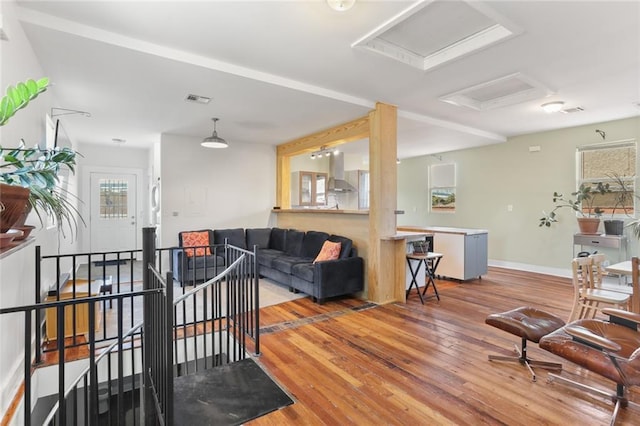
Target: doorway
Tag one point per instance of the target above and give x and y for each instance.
(113, 211)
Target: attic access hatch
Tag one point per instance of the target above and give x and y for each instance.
(433, 32)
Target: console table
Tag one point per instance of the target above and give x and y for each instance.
(618, 242)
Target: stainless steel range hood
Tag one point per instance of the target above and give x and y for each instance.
(337, 183)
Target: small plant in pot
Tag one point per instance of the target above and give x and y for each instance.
(622, 199)
(583, 204)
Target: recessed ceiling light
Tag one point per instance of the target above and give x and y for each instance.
(341, 5)
(551, 107)
(198, 99)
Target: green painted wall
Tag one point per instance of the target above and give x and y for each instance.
(491, 178)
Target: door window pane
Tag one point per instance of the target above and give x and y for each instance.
(113, 199)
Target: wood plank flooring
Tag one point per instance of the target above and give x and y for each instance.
(413, 364)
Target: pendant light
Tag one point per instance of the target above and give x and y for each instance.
(214, 141)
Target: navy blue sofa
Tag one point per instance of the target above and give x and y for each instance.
(286, 257)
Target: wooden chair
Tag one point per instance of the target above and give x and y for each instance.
(635, 282)
(587, 296)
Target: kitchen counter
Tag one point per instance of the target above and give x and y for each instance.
(406, 235)
(443, 230)
(327, 211)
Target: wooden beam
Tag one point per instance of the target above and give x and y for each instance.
(283, 182)
(346, 132)
(385, 269)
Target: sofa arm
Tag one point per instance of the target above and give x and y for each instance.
(180, 264)
(338, 277)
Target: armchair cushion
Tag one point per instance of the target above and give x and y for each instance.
(195, 239)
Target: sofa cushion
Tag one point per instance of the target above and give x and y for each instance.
(277, 240)
(235, 237)
(347, 245)
(266, 256)
(285, 263)
(303, 271)
(195, 239)
(200, 261)
(312, 243)
(330, 251)
(293, 244)
(258, 237)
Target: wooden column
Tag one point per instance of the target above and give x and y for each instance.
(385, 269)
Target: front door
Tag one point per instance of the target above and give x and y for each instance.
(113, 212)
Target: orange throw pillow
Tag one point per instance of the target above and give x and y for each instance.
(330, 251)
(196, 239)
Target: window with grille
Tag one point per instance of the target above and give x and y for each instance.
(113, 198)
(614, 164)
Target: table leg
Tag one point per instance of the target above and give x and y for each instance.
(431, 268)
(414, 279)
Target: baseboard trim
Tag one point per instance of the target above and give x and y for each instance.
(559, 272)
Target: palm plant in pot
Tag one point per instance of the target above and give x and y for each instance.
(29, 177)
(583, 204)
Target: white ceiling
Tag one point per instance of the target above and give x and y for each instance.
(278, 70)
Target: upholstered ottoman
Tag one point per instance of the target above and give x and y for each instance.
(529, 324)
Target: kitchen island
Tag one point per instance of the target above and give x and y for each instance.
(465, 250)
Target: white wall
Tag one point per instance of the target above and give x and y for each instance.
(214, 188)
(113, 159)
(493, 177)
(19, 63)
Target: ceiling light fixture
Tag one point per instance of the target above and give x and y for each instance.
(551, 107)
(324, 151)
(341, 5)
(214, 141)
(64, 111)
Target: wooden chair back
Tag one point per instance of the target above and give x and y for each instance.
(582, 278)
(635, 282)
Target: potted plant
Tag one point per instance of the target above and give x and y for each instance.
(38, 170)
(29, 177)
(589, 216)
(622, 196)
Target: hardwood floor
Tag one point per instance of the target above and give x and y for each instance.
(408, 364)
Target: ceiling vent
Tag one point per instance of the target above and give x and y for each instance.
(431, 33)
(572, 110)
(198, 99)
(508, 90)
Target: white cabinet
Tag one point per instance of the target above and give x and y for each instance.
(309, 188)
(464, 253)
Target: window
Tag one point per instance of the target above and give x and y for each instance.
(442, 187)
(113, 198)
(614, 164)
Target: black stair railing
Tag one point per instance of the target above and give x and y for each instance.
(218, 320)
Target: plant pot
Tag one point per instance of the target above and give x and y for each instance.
(613, 227)
(13, 200)
(26, 230)
(588, 225)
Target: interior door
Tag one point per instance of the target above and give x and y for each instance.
(113, 212)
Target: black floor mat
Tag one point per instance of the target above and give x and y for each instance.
(228, 395)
